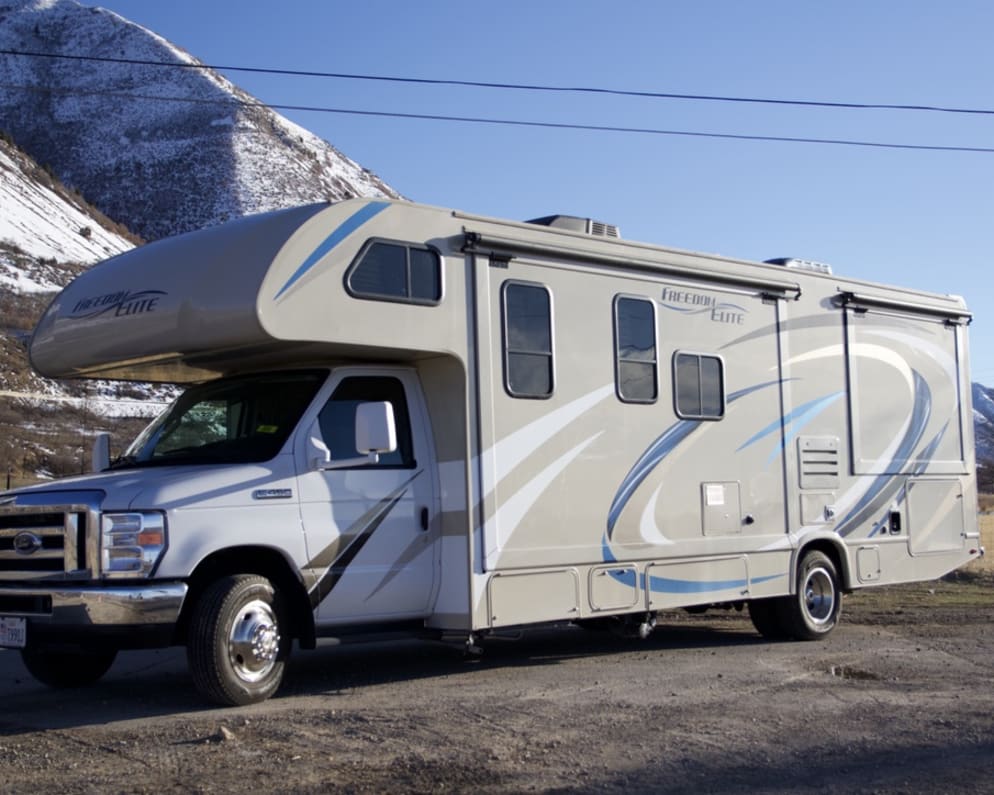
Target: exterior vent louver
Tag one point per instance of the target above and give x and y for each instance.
(818, 459)
(574, 223)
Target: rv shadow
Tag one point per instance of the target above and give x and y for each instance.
(343, 668)
(148, 684)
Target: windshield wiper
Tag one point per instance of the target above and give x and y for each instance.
(125, 461)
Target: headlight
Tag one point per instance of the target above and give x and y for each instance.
(131, 543)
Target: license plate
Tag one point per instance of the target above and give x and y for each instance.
(13, 632)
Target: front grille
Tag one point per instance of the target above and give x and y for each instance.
(44, 543)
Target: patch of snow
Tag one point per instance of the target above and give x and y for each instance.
(44, 224)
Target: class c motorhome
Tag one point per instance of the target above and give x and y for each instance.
(401, 418)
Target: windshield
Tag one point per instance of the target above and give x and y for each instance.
(236, 420)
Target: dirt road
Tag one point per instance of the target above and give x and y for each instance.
(899, 699)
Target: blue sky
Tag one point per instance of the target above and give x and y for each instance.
(912, 218)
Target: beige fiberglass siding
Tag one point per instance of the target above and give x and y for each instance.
(585, 440)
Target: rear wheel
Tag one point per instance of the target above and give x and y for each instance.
(236, 647)
(813, 612)
(64, 669)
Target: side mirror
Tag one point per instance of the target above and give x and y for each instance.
(100, 452)
(375, 429)
(375, 433)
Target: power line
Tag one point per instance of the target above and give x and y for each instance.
(511, 122)
(508, 86)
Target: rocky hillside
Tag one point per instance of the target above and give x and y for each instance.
(48, 234)
(158, 166)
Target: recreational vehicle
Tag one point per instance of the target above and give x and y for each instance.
(401, 418)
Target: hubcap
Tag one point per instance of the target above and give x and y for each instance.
(819, 596)
(254, 641)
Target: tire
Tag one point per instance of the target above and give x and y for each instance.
(236, 647)
(65, 669)
(766, 617)
(813, 612)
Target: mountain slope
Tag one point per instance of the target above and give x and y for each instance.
(44, 221)
(157, 165)
(48, 234)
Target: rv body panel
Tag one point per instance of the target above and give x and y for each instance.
(587, 428)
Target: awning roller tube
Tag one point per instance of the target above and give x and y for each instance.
(485, 243)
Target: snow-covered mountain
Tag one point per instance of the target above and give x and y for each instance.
(983, 430)
(157, 165)
(42, 225)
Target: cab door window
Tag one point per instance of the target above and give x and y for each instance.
(337, 419)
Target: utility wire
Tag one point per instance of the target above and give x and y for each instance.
(509, 122)
(509, 86)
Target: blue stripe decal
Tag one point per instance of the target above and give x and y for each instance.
(657, 451)
(668, 585)
(797, 419)
(346, 228)
(648, 461)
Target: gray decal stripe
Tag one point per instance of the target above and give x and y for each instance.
(791, 324)
(362, 529)
(885, 486)
(902, 493)
(410, 553)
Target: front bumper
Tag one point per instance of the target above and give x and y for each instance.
(136, 614)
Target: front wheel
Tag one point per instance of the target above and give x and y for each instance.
(813, 612)
(65, 669)
(236, 648)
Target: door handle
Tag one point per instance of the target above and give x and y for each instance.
(424, 518)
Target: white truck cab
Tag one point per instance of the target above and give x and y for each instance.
(260, 473)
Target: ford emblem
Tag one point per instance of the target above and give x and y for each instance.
(26, 543)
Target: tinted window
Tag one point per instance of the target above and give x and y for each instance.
(396, 272)
(337, 418)
(635, 350)
(527, 340)
(232, 420)
(426, 275)
(699, 386)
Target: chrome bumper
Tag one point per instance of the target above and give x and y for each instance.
(141, 605)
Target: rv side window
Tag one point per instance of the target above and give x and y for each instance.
(396, 272)
(699, 384)
(337, 419)
(527, 332)
(635, 350)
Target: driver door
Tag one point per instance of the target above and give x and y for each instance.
(368, 527)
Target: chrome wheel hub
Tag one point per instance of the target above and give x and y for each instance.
(254, 642)
(819, 596)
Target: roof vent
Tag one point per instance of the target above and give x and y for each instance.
(574, 223)
(801, 264)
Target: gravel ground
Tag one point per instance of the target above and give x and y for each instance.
(898, 699)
